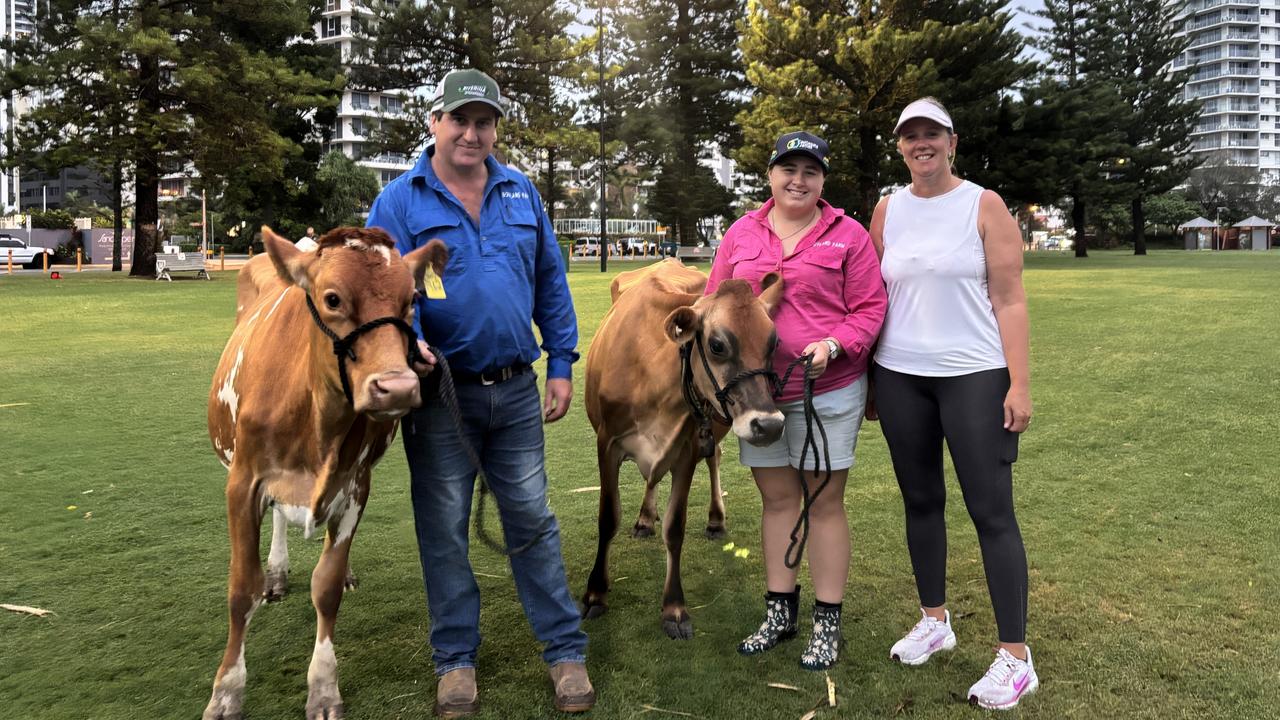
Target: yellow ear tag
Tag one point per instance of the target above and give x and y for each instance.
(432, 283)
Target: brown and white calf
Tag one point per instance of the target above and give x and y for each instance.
(635, 402)
(292, 436)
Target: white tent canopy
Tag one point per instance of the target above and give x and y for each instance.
(1198, 224)
(1253, 221)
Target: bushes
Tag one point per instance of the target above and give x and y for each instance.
(52, 220)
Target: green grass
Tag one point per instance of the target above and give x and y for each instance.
(1147, 490)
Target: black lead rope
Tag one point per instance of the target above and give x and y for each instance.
(345, 347)
(800, 533)
(449, 398)
(704, 411)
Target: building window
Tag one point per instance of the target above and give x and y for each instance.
(360, 101)
(330, 27)
(359, 127)
(389, 175)
(392, 105)
(332, 5)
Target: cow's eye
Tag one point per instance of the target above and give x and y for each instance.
(332, 301)
(717, 346)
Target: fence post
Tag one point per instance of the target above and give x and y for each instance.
(10, 261)
(44, 261)
(222, 259)
(79, 258)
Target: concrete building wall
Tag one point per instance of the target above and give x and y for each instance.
(360, 112)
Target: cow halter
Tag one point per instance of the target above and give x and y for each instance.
(703, 411)
(345, 347)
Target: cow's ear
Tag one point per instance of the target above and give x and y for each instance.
(683, 324)
(291, 263)
(771, 291)
(434, 254)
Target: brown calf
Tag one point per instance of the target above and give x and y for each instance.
(300, 436)
(635, 402)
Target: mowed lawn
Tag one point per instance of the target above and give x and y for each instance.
(1147, 492)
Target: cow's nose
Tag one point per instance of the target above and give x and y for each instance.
(766, 429)
(394, 390)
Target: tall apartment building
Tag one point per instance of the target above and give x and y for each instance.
(17, 19)
(360, 112)
(1234, 58)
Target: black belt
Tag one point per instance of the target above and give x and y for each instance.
(491, 377)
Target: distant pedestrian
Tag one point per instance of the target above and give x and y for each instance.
(952, 365)
(308, 242)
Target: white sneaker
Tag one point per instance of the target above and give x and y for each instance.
(1006, 681)
(926, 638)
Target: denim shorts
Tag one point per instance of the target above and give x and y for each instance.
(841, 413)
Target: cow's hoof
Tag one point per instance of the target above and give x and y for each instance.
(350, 582)
(223, 706)
(592, 609)
(681, 629)
(276, 585)
(642, 531)
(325, 712)
(716, 532)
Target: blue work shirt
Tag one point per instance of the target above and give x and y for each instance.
(502, 273)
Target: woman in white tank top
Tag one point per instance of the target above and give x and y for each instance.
(952, 365)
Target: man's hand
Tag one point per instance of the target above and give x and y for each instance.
(424, 368)
(556, 402)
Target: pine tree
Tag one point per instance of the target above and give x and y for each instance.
(1090, 110)
(174, 82)
(680, 90)
(523, 44)
(846, 69)
(76, 63)
(1133, 44)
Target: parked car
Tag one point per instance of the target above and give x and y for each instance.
(586, 247)
(633, 246)
(28, 255)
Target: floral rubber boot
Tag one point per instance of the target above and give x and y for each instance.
(781, 610)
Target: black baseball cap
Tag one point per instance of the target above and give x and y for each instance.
(801, 143)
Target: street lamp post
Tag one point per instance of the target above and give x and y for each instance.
(1221, 241)
(604, 233)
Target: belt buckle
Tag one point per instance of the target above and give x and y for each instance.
(498, 376)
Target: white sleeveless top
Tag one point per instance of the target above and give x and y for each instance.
(940, 322)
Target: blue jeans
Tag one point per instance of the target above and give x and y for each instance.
(503, 422)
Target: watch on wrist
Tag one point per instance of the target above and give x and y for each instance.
(833, 348)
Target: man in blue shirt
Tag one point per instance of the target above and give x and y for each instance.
(504, 273)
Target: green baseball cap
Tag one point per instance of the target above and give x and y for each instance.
(459, 87)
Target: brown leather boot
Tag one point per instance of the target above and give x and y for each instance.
(456, 694)
(574, 693)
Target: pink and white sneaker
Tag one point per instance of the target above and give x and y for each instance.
(926, 638)
(1006, 682)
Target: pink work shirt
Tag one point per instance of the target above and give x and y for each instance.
(831, 288)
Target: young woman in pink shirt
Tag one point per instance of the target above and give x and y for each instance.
(832, 307)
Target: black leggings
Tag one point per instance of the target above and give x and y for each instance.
(916, 414)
